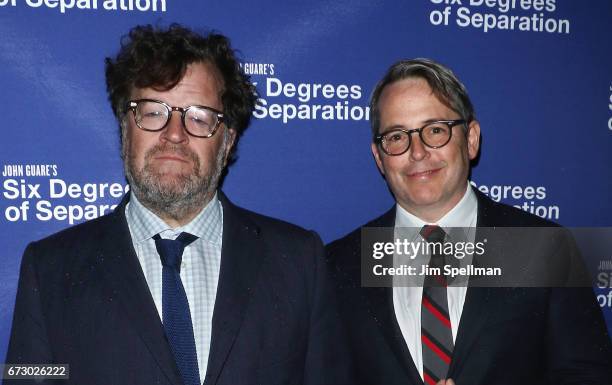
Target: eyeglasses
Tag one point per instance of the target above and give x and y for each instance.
(154, 115)
(434, 135)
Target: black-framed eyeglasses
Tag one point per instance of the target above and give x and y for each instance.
(433, 135)
(154, 115)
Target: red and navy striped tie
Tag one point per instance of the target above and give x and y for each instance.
(436, 332)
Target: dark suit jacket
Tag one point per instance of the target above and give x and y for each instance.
(513, 336)
(83, 300)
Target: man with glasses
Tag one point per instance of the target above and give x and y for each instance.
(178, 285)
(438, 331)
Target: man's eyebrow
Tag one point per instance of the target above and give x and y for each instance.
(423, 123)
(437, 120)
(394, 127)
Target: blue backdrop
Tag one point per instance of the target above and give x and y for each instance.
(538, 72)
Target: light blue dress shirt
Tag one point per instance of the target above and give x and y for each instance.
(200, 264)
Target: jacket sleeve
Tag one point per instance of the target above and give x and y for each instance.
(29, 342)
(579, 346)
(327, 358)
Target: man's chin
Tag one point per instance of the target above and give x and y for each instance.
(172, 181)
(170, 167)
(171, 201)
(170, 177)
(422, 199)
(165, 187)
(174, 191)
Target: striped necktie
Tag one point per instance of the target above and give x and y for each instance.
(436, 333)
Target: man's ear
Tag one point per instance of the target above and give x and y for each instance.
(376, 154)
(231, 139)
(473, 139)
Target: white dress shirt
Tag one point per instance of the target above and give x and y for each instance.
(200, 264)
(407, 300)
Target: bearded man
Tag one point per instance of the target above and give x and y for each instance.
(178, 285)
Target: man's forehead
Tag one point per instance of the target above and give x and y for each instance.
(209, 67)
(198, 76)
(412, 102)
(410, 86)
(410, 94)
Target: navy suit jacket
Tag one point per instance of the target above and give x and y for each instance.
(83, 300)
(506, 336)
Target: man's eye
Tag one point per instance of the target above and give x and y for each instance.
(152, 114)
(436, 130)
(200, 122)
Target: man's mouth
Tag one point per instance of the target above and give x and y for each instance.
(171, 157)
(424, 174)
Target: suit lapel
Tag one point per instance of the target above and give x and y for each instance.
(478, 305)
(380, 302)
(241, 256)
(128, 284)
(476, 310)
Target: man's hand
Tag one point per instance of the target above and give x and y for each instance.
(446, 382)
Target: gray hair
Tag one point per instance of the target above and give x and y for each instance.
(441, 79)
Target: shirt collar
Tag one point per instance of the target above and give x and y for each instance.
(144, 224)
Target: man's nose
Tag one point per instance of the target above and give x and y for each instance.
(175, 131)
(418, 150)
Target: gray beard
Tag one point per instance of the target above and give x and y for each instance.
(185, 195)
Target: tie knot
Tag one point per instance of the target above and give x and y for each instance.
(171, 251)
(432, 233)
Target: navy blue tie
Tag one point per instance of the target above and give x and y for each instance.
(175, 307)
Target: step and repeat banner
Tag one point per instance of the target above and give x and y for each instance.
(539, 73)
